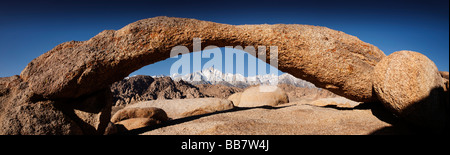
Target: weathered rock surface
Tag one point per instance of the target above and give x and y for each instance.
(92, 112)
(295, 93)
(134, 118)
(41, 118)
(22, 113)
(21, 116)
(338, 102)
(179, 108)
(445, 79)
(410, 85)
(235, 98)
(139, 112)
(77, 68)
(136, 123)
(444, 74)
(262, 96)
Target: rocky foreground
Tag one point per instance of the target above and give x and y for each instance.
(260, 113)
(178, 100)
(297, 118)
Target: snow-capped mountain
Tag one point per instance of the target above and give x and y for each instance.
(214, 76)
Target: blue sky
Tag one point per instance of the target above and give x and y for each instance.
(31, 28)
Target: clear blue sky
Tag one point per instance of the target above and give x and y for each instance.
(31, 28)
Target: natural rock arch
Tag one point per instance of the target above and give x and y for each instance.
(65, 91)
(330, 59)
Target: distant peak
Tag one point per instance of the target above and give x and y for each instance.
(209, 69)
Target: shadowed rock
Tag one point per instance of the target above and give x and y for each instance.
(444, 74)
(410, 85)
(133, 118)
(146, 112)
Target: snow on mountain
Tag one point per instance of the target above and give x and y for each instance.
(214, 76)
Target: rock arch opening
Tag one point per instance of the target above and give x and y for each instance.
(226, 60)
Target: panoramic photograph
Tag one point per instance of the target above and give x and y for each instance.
(112, 67)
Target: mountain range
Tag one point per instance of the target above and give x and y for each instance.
(215, 76)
